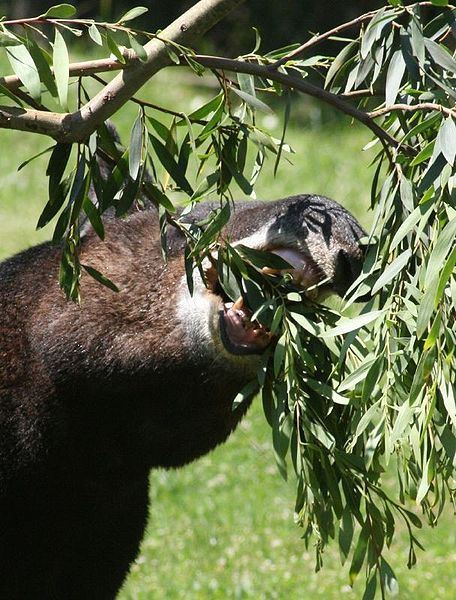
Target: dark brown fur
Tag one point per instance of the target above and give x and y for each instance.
(94, 396)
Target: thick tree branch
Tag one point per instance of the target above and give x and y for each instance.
(78, 126)
(51, 123)
(77, 69)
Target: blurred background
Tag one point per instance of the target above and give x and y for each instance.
(280, 23)
(222, 527)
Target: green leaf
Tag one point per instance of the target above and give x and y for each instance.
(394, 76)
(94, 217)
(447, 272)
(61, 64)
(279, 354)
(410, 223)
(133, 13)
(100, 277)
(434, 332)
(137, 47)
(245, 394)
(346, 530)
(389, 578)
(356, 376)
(170, 165)
(59, 193)
(371, 586)
(158, 196)
(443, 244)
(368, 417)
(57, 163)
(252, 101)
(42, 62)
(392, 270)
(95, 34)
(403, 419)
(358, 555)
(347, 325)
(23, 65)
(440, 55)
(112, 45)
(424, 154)
(247, 83)
(29, 160)
(136, 147)
(446, 140)
(210, 107)
(326, 391)
(59, 11)
(8, 39)
(417, 42)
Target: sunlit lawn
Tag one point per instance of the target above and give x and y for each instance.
(223, 526)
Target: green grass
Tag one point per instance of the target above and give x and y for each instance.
(223, 526)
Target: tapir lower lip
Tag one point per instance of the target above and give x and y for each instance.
(231, 345)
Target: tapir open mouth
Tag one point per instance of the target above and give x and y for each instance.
(239, 333)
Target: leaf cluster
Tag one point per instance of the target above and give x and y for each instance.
(348, 398)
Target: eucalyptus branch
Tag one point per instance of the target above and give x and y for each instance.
(29, 120)
(293, 82)
(77, 126)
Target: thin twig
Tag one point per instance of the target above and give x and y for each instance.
(423, 106)
(332, 32)
(144, 103)
(320, 38)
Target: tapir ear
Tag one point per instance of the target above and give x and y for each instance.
(347, 270)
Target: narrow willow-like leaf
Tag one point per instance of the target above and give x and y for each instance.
(170, 164)
(403, 419)
(440, 55)
(446, 140)
(136, 147)
(359, 555)
(61, 63)
(137, 47)
(338, 62)
(94, 217)
(347, 325)
(394, 77)
(392, 270)
(23, 65)
(443, 244)
(356, 376)
(29, 160)
(100, 277)
(252, 101)
(95, 34)
(59, 11)
(8, 39)
(114, 48)
(245, 394)
(133, 13)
